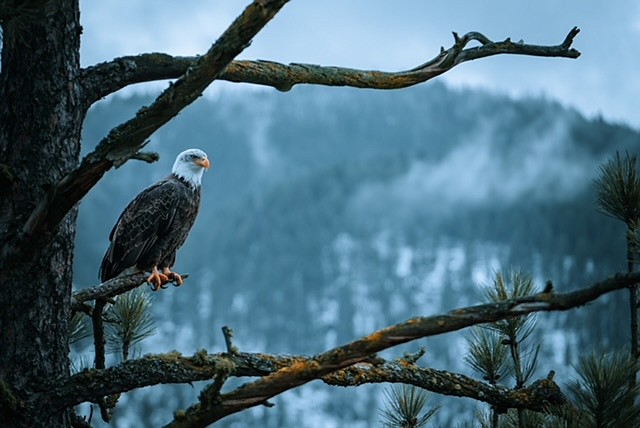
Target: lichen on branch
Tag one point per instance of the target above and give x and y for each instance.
(108, 77)
(279, 374)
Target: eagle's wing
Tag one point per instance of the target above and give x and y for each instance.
(143, 221)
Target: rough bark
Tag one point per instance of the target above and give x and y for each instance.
(175, 368)
(213, 408)
(40, 123)
(335, 366)
(105, 78)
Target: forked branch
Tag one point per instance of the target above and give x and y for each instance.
(284, 373)
(105, 78)
(174, 368)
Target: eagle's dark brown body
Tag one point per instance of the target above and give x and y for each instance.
(152, 228)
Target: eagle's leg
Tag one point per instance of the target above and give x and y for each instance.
(172, 276)
(157, 279)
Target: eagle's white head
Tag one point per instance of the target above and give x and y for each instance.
(190, 166)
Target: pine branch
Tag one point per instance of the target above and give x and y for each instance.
(108, 77)
(404, 407)
(618, 188)
(249, 395)
(486, 354)
(602, 390)
(78, 328)
(284, 373)
(126, 140)
(130, 321)
(618, 195)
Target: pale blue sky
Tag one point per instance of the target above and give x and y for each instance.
(395, 35)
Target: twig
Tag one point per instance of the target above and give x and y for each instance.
(413, 358)
(228, 339)
(149, 157)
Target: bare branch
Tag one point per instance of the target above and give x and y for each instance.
(105, 78)
(110, 288)
(91, 385)
(173, 368)
(282, 373)
(228, 340)
(79, 422)
(208, 411)
(537, 397)
(287, 373)
(125, 141)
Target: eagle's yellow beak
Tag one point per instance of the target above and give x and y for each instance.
(203, 162)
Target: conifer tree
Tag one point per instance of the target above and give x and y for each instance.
(618, 195)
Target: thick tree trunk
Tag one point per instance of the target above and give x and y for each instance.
(40, 122)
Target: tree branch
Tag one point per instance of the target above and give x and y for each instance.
(537, 397)
(283, 373)
(108, 77)
(108, 289)
(208, 411)
(126, 140)
(174, 368)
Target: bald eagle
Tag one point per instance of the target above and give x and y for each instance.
(156, 223)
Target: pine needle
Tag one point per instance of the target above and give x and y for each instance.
(404, 406)
(515, 330)
(129, 321)
(80, 364)
(602, 390)
(517, 284)
(487, 355)
(78, 328)
(529, 362)
(618, 188)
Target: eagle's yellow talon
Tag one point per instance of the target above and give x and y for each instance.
(157, 279)
(173, 277)
(177, 279)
